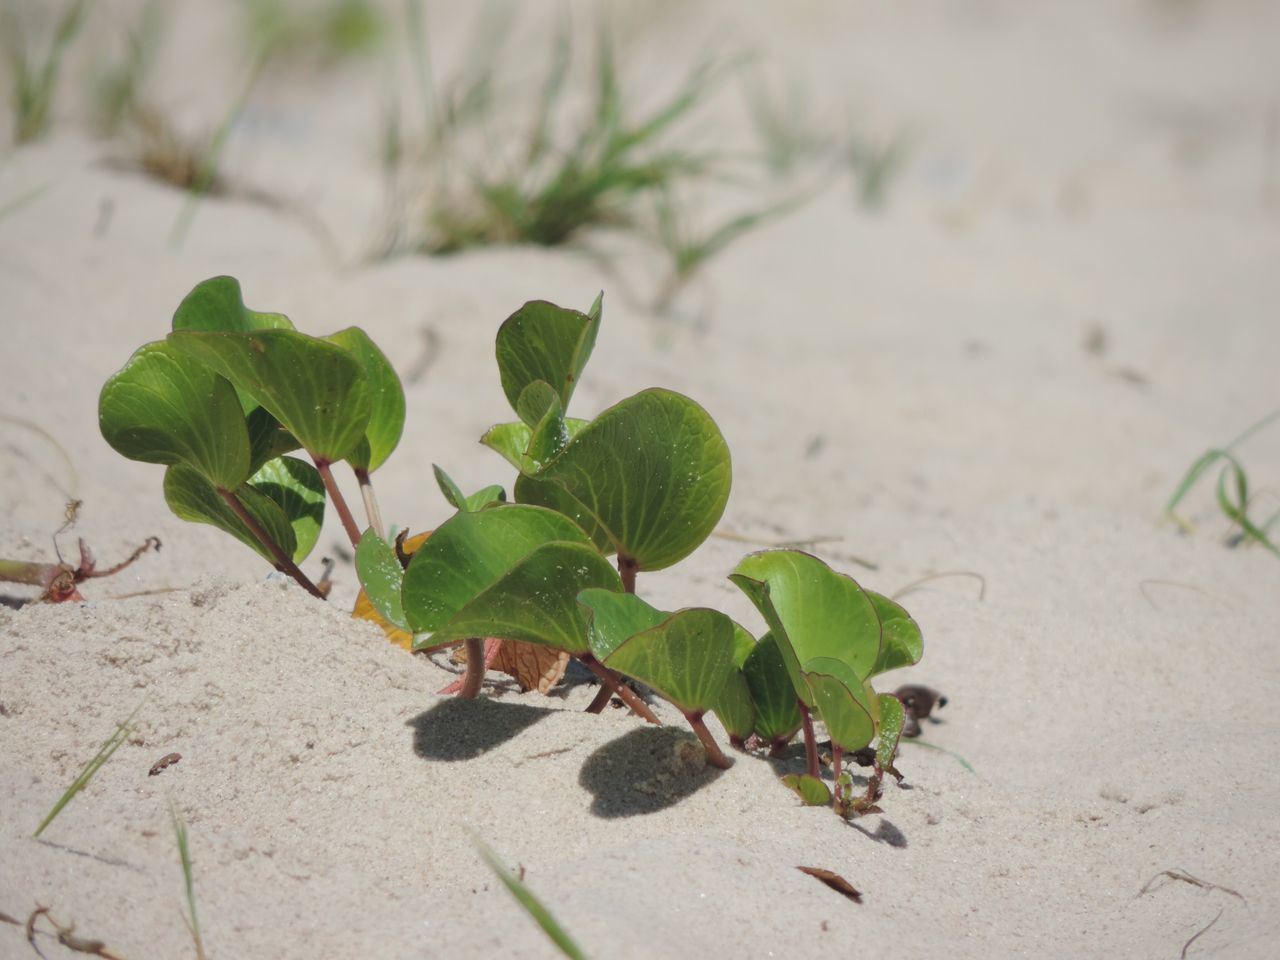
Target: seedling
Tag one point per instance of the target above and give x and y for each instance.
(60, 582)
(1232, 489)
(595, 503)
(184, 857)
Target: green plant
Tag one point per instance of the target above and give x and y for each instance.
(35, 81)
(531, 904)
(109, 747)
(1232, 489)
(117, 88)
(594, 504)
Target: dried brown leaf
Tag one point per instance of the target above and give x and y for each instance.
(833, 880)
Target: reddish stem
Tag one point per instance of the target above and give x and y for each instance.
(810, 741)
(715, 756)
(283, 562)
(344, 512)
(627, 567)
(489, 653)
(603, 696)
(836, 761)
(475, 669)
(610, 680)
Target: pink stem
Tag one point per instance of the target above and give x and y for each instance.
(344, 512)
(282, 559)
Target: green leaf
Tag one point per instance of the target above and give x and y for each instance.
(892, 718)
(777, 710)
(840, 699)
(532, 905)
(550, 432)
(470, 552)
(686, 658)
(267, 439)
(315, 389)
(298, 491)
(534, 601)
(541, 341)
(386, 397)
(812, 612)
(653, 471)
(544, 493)
(164, 407)
(193, 498)
(382, 577)
(615, 618)
(810, 789)
(901, 643)
(733, 706)
(459, 501)
(217, 304)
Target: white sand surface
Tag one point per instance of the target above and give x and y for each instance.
(913, 384)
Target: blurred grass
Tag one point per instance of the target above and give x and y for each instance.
(184, 856)
(34, 80)
(531, 904)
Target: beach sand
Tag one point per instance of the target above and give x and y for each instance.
(1069, 294)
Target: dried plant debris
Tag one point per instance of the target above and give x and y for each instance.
(833, 880)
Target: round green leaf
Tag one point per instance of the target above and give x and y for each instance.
(470, 552)
(734, 707)
(901, 643)
(541, 341)
(615, 618)
(840, 699)
(808, 788)
(297, 489)
(386, 395)
(315, 389)
(534, 601)
(544, 493)
(382, 577)
(653, 471)
(772, 693)
(193, 498)
(217, 304)
(164, 407)
(812, 611)
(686, 658)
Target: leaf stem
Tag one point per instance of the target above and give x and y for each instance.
(837, 765)
(344, 512)
(810, 741)
(474, 676)
(627, 568)
(281, 558)
(610, 680)
(715, 756)
(370, 499)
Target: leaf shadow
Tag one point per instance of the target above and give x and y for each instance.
(647, 770)
(457, 729)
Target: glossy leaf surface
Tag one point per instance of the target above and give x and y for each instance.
(615, 618)
(840, 699)
(777, 713)
(164, 407)
(653, 471)
(193, 498)
(314, 388)
(534, 601)
(470, 552)
(733, 706)
(386, 399)
(892, 718)
(381, 577)
(812, 611)
(812, 790)
(218, 304)
(901, 643)
(297, 489)
(542, 341)
(460, 501)
(686, 658)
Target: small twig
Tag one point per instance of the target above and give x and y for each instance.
(67, 937)
(152, 543)
(1180, 874)
(982, 582)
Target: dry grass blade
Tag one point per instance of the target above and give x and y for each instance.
(1182, 875)
(112, 744)
(66, 937)
(1198, 934)
(982, 582)
(531, 904)
(916, 741)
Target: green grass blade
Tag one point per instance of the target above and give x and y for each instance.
(112, 744)
(184, 855)
(1237, 511)
(1208, 459)
(933, 746)
(531, 904)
